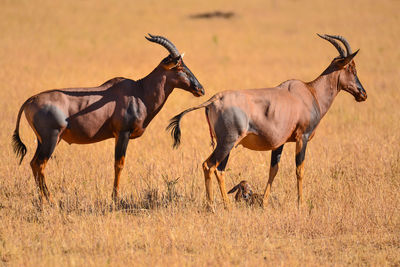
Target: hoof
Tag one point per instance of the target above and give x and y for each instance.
(210, 208)
(228, 207)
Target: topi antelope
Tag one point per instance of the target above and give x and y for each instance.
(243, 189)
(120, 108)
(245, 192)
(266, 119)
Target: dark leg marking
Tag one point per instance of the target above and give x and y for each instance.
(273, 170)
(218, 159)
(222, 165)
(228, 129)
(33, 166)
(301, 146)
(120, 151)
(42, 155)
(276, 155)
(300, 155)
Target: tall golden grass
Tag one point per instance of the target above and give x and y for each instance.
(352, 179)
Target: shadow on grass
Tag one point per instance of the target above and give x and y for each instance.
(145, 201)
(149, 199)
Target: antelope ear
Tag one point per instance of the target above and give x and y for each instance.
(236, 187)
(344, 61)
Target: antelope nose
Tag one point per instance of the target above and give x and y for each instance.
(362, 94)
(198, 91)
(361, 90)
(365, 95)
(201, 90)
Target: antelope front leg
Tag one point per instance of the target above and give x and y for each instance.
(301, 146)
(121, 144)
(273, 170)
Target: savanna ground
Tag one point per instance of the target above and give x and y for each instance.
(351, 213)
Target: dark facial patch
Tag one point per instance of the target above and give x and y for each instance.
(191, 76)
(360, 88)
(194, 83)
(351, 84)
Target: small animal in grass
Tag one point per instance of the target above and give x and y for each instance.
(244, 192)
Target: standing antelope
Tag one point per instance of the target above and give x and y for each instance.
(266, 119)
(119, 108)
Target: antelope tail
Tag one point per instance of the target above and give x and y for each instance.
(174, 124)
(19, 147)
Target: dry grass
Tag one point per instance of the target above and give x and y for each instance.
(351, 215)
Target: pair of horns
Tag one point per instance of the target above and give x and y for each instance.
(164, 42)
(332, 39)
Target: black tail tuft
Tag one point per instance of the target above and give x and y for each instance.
(175, 121)
(18, 147)
(175, 129)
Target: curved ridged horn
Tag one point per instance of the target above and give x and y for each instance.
(164, 42)
(332, 41)
(344, 41)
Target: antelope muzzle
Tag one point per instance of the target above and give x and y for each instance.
(196, 88)
(362, 94)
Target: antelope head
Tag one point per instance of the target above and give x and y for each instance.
(176, 70)
(344, 63)
(244, 191)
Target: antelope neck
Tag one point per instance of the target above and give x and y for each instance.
(156, 89)
(326, 88)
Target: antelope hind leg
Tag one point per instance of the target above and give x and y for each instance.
(40, 159)
(220, 173)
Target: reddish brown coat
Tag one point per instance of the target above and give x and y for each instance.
(120, 108)
(267, 118)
